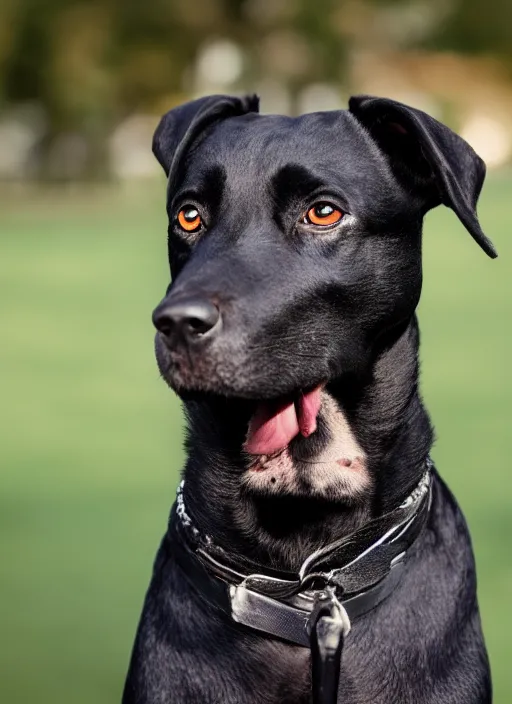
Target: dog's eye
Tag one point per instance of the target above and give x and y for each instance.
(189, 219)
(323, 214)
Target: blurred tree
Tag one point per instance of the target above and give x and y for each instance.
(90, 63)
(477, 26)
(59, 60)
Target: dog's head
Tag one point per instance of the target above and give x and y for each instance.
(295, 246)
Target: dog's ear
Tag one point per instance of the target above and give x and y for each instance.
(181, 126)
(430, 160)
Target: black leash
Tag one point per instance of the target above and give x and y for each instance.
(327, 636)
(315, 607)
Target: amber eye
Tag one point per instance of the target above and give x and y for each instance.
(189, 219)
(323, 214)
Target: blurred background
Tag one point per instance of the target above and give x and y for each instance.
(90, 437)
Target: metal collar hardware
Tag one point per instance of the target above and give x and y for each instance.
(316, 606)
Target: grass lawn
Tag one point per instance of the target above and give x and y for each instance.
(91, 438)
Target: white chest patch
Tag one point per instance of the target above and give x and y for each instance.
(338, 471)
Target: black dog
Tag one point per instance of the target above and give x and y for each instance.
(289, 332)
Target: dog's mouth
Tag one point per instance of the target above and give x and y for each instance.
(275, 423)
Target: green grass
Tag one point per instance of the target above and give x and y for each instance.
(91, 438)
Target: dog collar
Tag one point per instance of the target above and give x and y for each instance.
(355, 573)
(314, 607)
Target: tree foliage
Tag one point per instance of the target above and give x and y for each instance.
(89, 63)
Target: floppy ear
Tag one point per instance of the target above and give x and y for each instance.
(179, 127)
(430, 160)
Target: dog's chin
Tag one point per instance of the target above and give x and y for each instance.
(329, 464)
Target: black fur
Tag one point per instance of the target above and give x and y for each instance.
(301, 307)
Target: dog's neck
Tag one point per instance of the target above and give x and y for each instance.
(386, 416)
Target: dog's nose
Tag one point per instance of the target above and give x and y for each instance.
(188, 318)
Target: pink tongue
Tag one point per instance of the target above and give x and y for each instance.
(275, 424)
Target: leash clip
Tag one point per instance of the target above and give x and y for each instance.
(327, 605)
